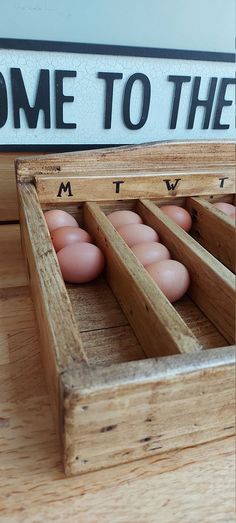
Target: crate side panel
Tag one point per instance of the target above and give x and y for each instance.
(129, 422)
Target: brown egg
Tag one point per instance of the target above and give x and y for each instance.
(226, 208)
(178, 215)
(66, 235)
(57, 218)
(119, 218)
(137, 233)
(150, 252)
(171, 277)
(80, 262)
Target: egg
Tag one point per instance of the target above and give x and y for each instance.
(80, 262)
(150, 252)
(66, 235)
(226, 208)
(134, 233)
(119, 218)
(171, 277)
(57, 218)
(179, 215)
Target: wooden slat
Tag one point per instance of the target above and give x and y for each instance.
(213, 229)
(124, 412)
(13, 273)
(61, 344)
(158, 327)
(8, 198)
(153, 157)
(87, 187)
(212, 285)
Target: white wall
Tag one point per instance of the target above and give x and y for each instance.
(207, 25)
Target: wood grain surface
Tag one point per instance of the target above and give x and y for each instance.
(187, 486)
(8, 199)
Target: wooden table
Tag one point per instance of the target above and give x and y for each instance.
(192, 485)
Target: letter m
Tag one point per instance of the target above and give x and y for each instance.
(63, 189)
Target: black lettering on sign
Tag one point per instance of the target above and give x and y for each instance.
(178, 82)
(117, 184)
(64, 188)
(109, 79)
(222, 102)
(20, 99)
(196, 102)
(171, 186)
(222, 181)
(3, 101)
(61, 99)
(144, 104)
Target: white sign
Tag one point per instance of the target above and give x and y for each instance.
(68, 98)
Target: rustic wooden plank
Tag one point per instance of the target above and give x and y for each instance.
(153, 157)
(158, 327)
(205, 331)
(61, 343)
(148, 404)
(96, 308)
(8, 200)
(214, 230)
(212, 285)
(79, 188)
(12, 266)
(112, 345)
(106, 334)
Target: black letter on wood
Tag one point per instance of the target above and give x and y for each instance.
(65, 188)
(171, 186)
(117, 184)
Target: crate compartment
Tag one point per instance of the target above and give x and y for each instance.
(212, 229)
(114, 398)
(105, 331)
(206, 272)
(206, 221)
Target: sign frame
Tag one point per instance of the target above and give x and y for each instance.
(100, 49)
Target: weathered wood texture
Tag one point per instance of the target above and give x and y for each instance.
(159, 329)
(97, 187)
(61, 341)
(114, 417)
(212, 285)
(214, 230)
(8, 199)
(32, 483)
(151, 158)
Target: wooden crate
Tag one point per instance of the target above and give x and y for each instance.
(129, 374)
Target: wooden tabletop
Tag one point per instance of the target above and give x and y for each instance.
(192, 485)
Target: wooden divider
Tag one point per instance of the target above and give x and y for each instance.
(61, 344)
(212, 284)
(213, 230)
(158, 327)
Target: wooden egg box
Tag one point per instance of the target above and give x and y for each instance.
(129, 374)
